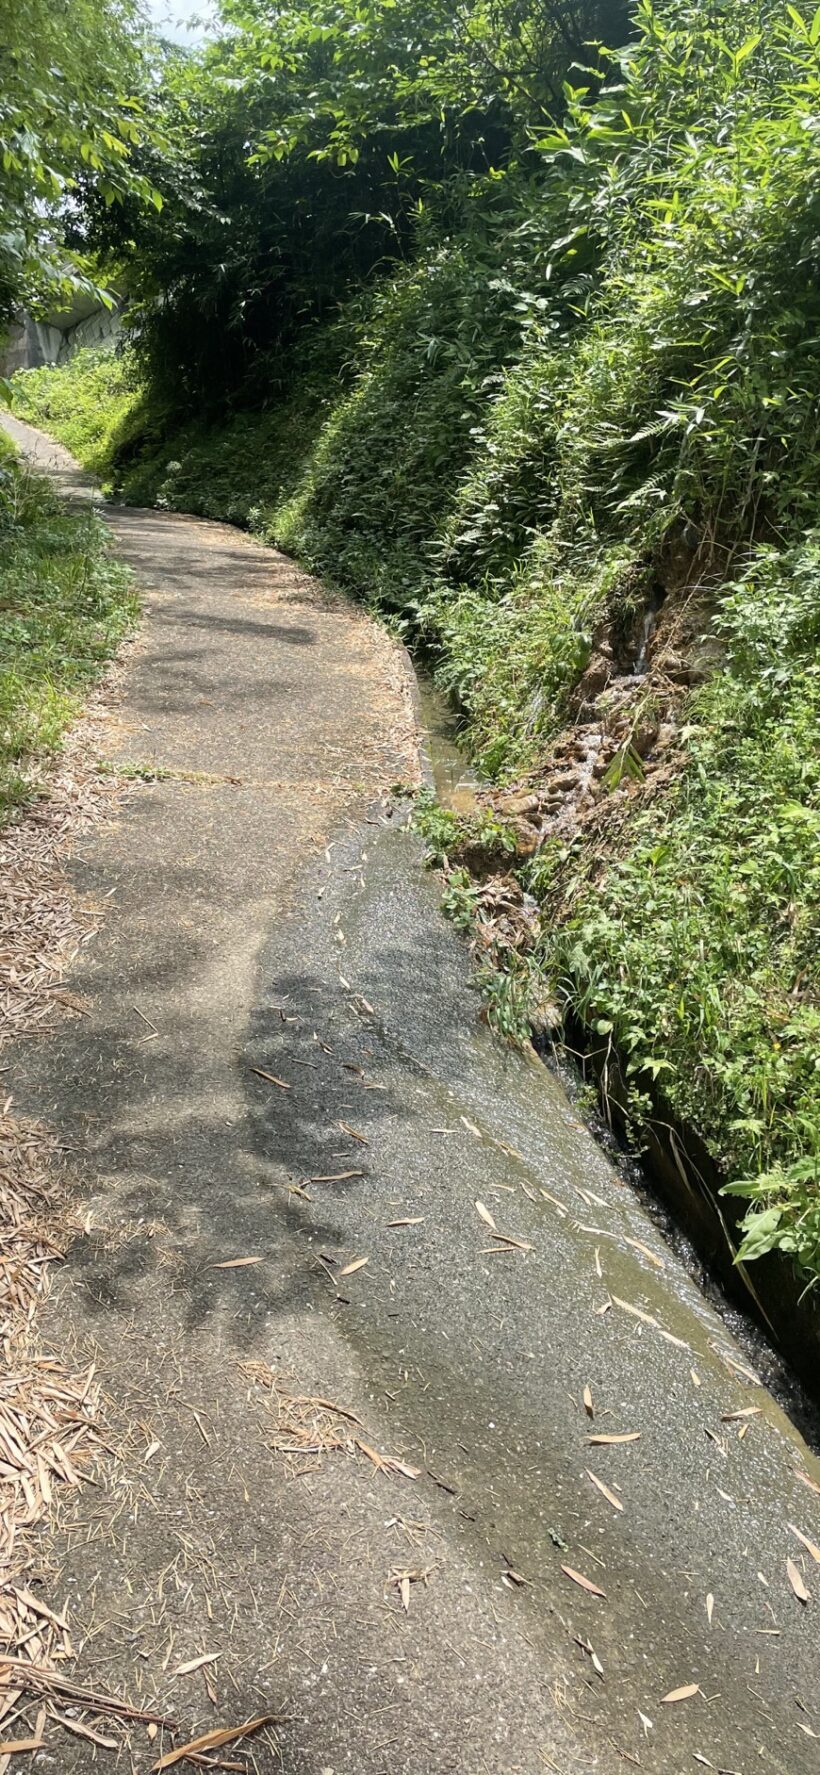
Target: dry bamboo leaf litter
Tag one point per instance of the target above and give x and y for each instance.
(602, 1436)
(213, 1740)
(307, 1427)
(810, 1546)
(604, 1490)
(583, 1583)
(50, 1418)
(796, 1581)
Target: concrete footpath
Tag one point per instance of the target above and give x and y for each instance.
(467, 1568)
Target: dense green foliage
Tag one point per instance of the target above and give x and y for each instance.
(73, 107)
(64, 604)
(493, 352)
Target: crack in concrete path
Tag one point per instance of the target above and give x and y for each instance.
(280, 928)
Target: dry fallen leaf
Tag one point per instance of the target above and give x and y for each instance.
(514, 1578)
(636, 1312)
(235, 1263)
(733, 1417)
(605, 1491)
(652, 1255)
(796, 1582)
(212, 1740)
(627, 1436)
(810, 1546)
(684, 1694)
(81, 1730)
(649, 1319)
(562, 1209)
(710, 1607)
(585, 1583)
(195, 1664)
(509, 1240)
(271, 1078)
(409, 1220)
(811, 1483)
(486, 1216)
(335, 1176)
(357, 1264)
(589, 1408)
(354, 1133)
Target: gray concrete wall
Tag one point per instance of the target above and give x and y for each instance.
(32, 343)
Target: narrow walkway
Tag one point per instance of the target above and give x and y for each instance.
(282, 1061)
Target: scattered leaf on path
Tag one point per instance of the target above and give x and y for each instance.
(357, 1264)
(589, 1408)
(626, 1436)
(710, 1607)
(561, 1206)
(81, 1730)
(605, 1491)
(811, 1483)
(354, 1133)
(235, 1263)
(585, 1583)
(335, 1176)
(213, 1740)
(810, 1546)
(636, 1312)
(733, 1417)
(514, 1577)
(652, 1255)
(796, 1582)
(409, 1220)
(486, 1216)
(271, 1078)
(684, 1694)
(740, 1368)
(195, 1664)
(508, 1239)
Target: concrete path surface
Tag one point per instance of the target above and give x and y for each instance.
(282, 1059)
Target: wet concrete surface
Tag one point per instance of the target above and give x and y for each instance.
(283, 922)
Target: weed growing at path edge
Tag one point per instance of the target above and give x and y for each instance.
(64, 604)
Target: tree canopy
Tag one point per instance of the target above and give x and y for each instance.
(72, 103)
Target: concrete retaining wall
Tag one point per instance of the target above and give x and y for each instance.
(32, 343)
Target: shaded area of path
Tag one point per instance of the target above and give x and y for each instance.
(266, 911)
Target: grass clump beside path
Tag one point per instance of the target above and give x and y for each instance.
(84, 404)
(64, 605)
